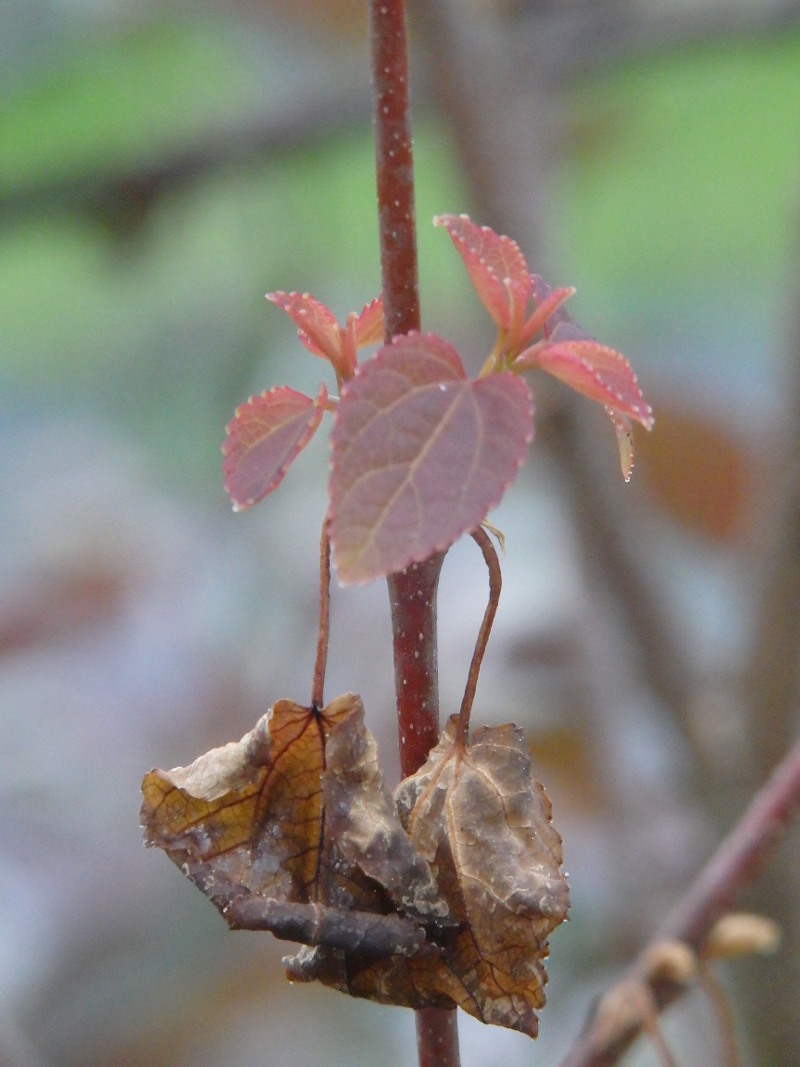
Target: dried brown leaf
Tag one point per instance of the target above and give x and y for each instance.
(483, 824)
(291, 829)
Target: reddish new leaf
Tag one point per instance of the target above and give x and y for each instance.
(317, 327)
(264, 437)
(420, 455)
(497, 269)
(548, 311)
(322, 335)
(368, 326)
(600, 373)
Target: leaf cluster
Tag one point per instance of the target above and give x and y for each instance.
(420, 451)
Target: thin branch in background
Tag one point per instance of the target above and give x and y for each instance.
(503, 198)
(735, 865)
(772, 689)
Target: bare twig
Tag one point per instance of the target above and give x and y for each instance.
(734, 866)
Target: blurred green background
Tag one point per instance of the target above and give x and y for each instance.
(161, 168)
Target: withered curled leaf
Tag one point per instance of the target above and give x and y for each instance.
(481, 821)
(292, 830)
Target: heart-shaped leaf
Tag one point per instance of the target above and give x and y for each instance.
(420, 455)
(264, 437)
(497, 269)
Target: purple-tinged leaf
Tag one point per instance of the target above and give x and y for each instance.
(543, 317)
(264, 437)
(420, 455)
(559, 324)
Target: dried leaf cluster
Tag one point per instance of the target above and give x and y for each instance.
(444, 895)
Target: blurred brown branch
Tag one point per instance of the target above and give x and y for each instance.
(738, 861)
(120, 196)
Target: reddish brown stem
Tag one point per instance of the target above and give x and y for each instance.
(412, 593)
(318, 681)
(483, 541)
(437, 1038)
(412, 599)
(739, 859)
(394, 165)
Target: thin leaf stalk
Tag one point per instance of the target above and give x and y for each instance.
(412, 593)
(323, 634)
(483, 541)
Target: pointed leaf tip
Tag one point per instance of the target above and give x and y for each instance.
(317, 327)
(368, 325)
(420, 455)
(263, 439)
(496, 267)
(599, 372)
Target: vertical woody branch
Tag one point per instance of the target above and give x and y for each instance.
(412, 593)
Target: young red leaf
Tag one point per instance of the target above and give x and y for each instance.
(317, 327)
(599, 372)
(497, 269)
(368, 326)
(602, 374)
(264, 437)
(322, 335)
(420, 455)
